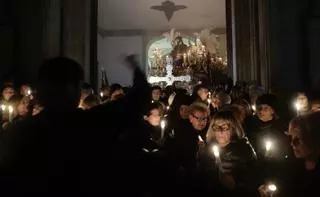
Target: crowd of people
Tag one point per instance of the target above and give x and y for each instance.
(62, 136)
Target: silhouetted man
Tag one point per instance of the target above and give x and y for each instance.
(64, 149)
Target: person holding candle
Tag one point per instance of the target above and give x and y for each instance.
(266, 125)
(104, 94)
(235, 174)
(151, 126)
(303, 173)
(25, 90)
(305, 142)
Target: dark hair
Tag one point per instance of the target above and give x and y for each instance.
(153, 106)
(270, 100)
(53, 79)
(156, 88)
(60, 71)
(115, 87)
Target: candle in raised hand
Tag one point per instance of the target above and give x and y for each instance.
(163, 126)
(10, 110)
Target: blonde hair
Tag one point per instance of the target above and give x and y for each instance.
(227, 116)
(199, 106)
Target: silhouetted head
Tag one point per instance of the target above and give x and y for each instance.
(59, 83)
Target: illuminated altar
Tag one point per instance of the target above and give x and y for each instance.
(183, 61)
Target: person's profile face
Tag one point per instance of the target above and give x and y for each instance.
(298, 145)
(203, 93)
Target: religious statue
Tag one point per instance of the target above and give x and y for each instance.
(179, 51)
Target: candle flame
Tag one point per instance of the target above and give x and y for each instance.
(254, 108)
(215, 150)
(3, 107)
(272, 187)
(163, 124)
(298, 106)
(10, 109)
(268, 145)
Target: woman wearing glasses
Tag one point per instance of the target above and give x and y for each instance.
(228, 162)
(305, 142)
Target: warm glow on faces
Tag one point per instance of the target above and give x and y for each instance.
(265, 113)
(199, 120)
(154, 118)
(222, 131)
(299, 147)
(203, 93)
(7, 93)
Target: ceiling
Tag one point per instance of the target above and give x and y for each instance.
(136, 14)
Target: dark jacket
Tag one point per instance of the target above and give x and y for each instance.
(74, 151)
(259, 132)
(238, 160)
(273, 163)
(300, 182)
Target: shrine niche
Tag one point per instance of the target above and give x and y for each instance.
(185, 60)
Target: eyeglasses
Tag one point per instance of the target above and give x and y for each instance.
(200, 118)
(222, 128)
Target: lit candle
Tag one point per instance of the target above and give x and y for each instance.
(3, 107)
(200, 139)
(209, 100)
(271, 189)
(268, 146)
(101, 94)
(163, 126)
(298, 107)
(29, 92)
(216, 153)
(10, 109)
(254, 108)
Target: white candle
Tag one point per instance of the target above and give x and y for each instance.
(163, 126)
(268, 146)
(298, 107)
(10, 109)
(216, 153)
(200, 139)
(3, 107)
(271, 189)
(29, 92)
(254, 108)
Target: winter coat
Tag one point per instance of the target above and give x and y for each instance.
(237, 160)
